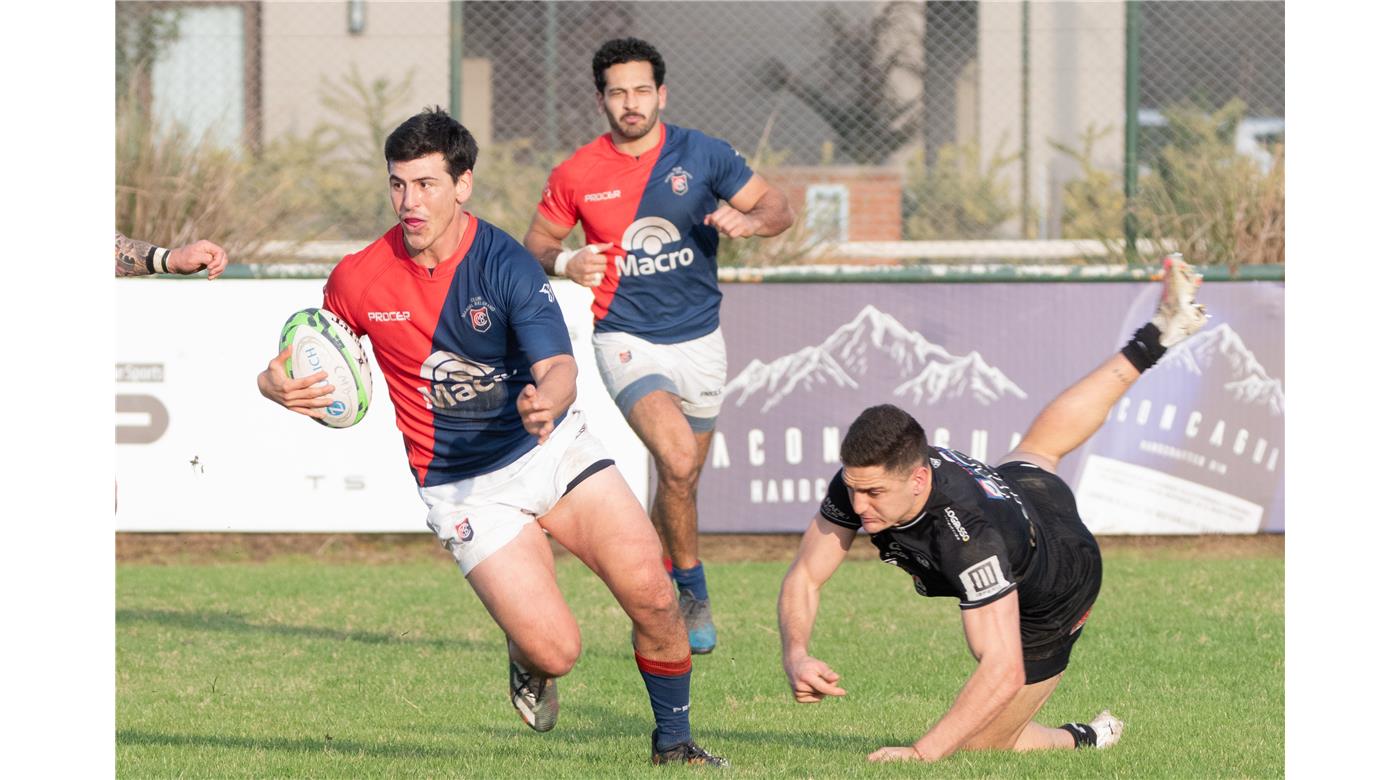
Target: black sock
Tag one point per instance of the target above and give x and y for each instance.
(1145, 348)
(1084, 734)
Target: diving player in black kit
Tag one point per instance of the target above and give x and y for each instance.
(1007, 542)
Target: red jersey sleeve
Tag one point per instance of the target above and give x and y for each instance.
(339, 298)
(557, 200)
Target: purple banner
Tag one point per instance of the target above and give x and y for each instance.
(1196, 446)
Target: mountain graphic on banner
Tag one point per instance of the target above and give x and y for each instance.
(968, 375)
(873, 348)
(1246, 381)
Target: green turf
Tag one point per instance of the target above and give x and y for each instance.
(301, 669)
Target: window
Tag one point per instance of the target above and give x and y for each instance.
(828, 211)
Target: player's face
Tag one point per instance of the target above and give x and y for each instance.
(631, 99)
(428, 202)
(885, 498)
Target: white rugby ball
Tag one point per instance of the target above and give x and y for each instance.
(321, 341)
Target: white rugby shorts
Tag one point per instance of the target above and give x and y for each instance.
(476, 516)
(694, 371)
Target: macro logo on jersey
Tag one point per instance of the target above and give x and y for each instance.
(646, 242)
(459, 387)
(983, 579)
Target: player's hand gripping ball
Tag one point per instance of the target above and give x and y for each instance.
(321, 341)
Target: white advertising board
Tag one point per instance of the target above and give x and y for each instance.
(199, 449)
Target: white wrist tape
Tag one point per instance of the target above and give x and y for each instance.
(561, 260)
(161, 261)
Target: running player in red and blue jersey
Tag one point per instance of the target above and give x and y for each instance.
(467, 332)
(649, 197)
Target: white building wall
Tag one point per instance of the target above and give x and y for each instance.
(1077, 63)
(304, 43)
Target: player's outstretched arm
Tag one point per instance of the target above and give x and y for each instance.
(139, 258)
(135, 258)
(300, 395)
(1079, 411)
(823, 547)
(755, 210)
(994, 636)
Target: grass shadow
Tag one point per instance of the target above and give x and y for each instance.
(308, 744)
(238, 623)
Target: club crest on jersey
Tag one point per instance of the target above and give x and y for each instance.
(680, 181)
(481, 318)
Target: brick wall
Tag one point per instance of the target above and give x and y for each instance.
(873, 196)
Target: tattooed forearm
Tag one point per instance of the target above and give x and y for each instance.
(132, 256)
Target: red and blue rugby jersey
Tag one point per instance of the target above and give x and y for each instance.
(662, 279)
(455, 344)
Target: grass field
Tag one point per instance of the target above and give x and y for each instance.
(297, 667)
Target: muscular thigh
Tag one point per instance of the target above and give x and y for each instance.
(517, 586)
(602, 523)
(661, 426)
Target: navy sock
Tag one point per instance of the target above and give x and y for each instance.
(1084, 735)
(668, 685)
(692, 580)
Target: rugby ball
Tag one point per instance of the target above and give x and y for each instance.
(321, 341)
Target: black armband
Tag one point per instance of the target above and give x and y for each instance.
(1145, 348)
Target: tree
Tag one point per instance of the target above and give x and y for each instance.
(144, 32)
(854, 95)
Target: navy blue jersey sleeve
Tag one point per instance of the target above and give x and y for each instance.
(531, 307)
(836, 507)
(728, 170)
(974, 557)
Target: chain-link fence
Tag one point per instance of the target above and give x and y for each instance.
(883, 121)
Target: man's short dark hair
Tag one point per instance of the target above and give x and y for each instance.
(884, 436)
(620, 50)
(432, 130)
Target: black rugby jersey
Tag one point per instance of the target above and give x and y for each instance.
(980, 537)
